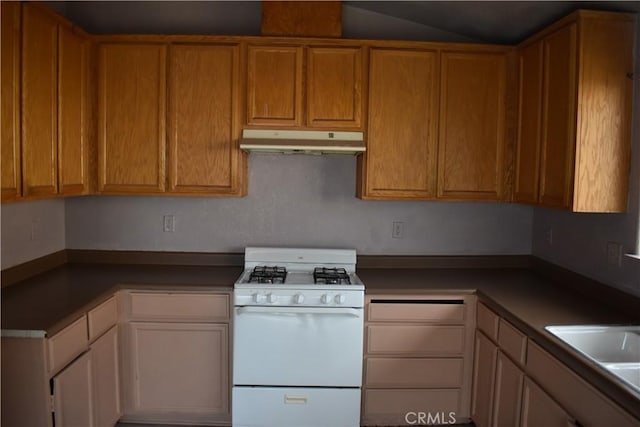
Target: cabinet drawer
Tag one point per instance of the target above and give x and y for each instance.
(512, 342)
(102, 318)
(64, 346)
(432, 311)
(415, 339)
(414, 373)
(581, 400)
(186, 307)
(487, 321)
(392, 406)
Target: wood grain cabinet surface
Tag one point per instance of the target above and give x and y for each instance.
(204, 119)
(54, 96)
(11, 173)
(573, 153)
(401, 156)
(418, 357)
(131, 115)
(304, 86)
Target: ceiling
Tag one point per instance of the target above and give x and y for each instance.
(483, 21)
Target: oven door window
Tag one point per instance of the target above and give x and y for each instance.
(298, 346)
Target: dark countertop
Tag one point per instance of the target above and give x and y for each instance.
(53, 299)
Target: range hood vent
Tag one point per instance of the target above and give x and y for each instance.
(302, 141)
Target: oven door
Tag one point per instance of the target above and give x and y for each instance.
(297, 346)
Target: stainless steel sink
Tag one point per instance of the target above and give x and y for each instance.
(615, 348)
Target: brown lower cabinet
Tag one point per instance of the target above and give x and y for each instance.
(417, 359)
(517, 383)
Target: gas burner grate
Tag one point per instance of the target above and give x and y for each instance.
(331, 276)
(268, 274)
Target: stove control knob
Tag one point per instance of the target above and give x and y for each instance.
(340, 299)
(272, 298)
(326, 299)
(298, 299)
(258, 298)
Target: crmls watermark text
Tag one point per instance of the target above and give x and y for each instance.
(430, 418)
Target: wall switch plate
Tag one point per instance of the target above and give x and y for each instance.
(548, 237)
(398, 230)
(614, 254)
(169, 223)
(35, 230)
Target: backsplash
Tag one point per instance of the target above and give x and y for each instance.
(298, 200)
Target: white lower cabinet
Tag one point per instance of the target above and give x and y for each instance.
(72, 394)
(539, 409)
(106, 379)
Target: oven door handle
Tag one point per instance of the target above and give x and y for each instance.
(288, 311)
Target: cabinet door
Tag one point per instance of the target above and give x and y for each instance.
(334, 87)
(203, 119)
(484, 368)
(529, 114)
(400, 162)
(39, 91)
(508, 393)
(72, 394)
(538, 409)
(106, 382)
(10, 98)
(188, 383)
(274, 85)
(558, 118)
(132, 118)
(72, 138)
(472, 126)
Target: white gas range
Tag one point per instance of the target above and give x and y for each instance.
(298, 337)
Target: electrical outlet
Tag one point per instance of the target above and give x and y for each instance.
(398, 230)
(169, 223)
(35, 230)
(614, 254)
(548, 236)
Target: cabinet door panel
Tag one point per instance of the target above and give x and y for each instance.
(203, 113)
(334, 81)
(188, 382)
(274, 86)
(400, 160)
(472, 126)
(39, 83)
(106, 380)
(10, 106)
(132, 118)
(72, 396)
(508, 393)
(529, 116)
(538, 409)
(72, 149)
(484, 368)
(558, 118)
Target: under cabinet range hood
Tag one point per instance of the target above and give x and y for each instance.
(302, 141)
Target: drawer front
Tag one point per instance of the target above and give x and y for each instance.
(416, 340)
(414, 373)
(584, 403)
(512, 342)
(102, 318)
(64, 346)
(487, 321)
(428, 311)
(404, 407)
(177, 307)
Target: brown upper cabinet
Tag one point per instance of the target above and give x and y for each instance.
(131, 142)
(54, 92)
(204, 119)
(277, 76)
(572, 153)
(471, 147)
(400, 161)
(10, 107)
